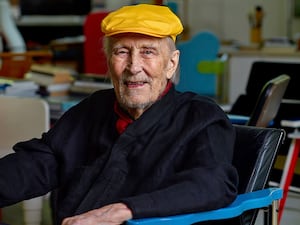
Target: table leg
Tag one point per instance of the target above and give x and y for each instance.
(288, 173)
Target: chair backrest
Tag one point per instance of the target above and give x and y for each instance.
(255, 151)
(204, 46)
(260, 73)
(269, 101)
(94, 58)
(21, 119)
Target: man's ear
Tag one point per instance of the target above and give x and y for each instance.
(173, 64)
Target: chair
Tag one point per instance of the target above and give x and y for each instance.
(261, 72)
(22, 119)
(94, 58)
(267, 104)
(254, 155)
(199, 64)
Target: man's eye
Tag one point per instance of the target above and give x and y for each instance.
(147, 52)
(121, 52)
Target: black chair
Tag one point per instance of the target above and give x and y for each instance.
(261, 72)
(269, 101)
(255, 151)
(267, 104)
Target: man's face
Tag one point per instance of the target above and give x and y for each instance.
(140, 67)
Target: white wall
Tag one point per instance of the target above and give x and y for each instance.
(228, 18)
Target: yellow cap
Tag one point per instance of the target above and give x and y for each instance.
(152, 20)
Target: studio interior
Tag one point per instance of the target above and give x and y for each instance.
(245, 55)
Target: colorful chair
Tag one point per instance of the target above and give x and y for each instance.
(254, 155)
(94, 58)
(200, 65)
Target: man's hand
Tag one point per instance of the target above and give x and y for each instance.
(113, 214)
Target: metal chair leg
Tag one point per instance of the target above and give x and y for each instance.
(275, 205)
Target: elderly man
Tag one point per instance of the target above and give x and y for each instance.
(141, 149)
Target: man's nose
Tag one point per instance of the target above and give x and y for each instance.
(135, 64)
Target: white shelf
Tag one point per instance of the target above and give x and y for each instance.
(55, 20)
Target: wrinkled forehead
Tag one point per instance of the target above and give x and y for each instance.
(137, 40)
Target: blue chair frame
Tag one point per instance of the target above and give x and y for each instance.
(252, 200)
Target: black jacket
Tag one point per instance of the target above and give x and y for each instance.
(175, 158)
